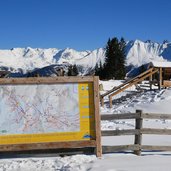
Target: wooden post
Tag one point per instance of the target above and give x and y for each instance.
(110, 101)
(97, 117)
(102, 101)
(138, 138)
(160, 78)
(150, 80)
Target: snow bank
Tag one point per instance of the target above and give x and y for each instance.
(69, 163)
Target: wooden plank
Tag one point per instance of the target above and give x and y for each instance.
(47, 152)
(166, 83)
(134, 116)
(120, 132)
(120, 116)
(129, 81)
(156, 116)
(114, 89)
(50, 145)
(156, 131)
(110, 149)
(167, 70)
(97, 117)
(45, 80)
(131, 84)
(157, 148)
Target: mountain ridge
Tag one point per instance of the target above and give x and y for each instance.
(27, 59)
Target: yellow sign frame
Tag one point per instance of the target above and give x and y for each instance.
(89, 134)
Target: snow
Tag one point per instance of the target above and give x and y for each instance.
(137, 54)
(69, 163)
(160, 64)
(129, 162)
(156, 101)
(32, 58)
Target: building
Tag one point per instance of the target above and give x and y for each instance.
(163, 76)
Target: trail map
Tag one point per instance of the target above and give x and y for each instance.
(30, 109)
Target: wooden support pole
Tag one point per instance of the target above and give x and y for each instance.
(110, 101)
(97, 117)
(138, 126)
(150, 80)
(160, 78)
(102, 101)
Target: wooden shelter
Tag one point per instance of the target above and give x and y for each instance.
(158, 73)
(164, 73)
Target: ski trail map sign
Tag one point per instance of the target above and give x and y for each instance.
(42, 113)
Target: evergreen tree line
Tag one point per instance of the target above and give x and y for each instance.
(114, 66)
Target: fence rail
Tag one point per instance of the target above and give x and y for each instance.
(137, 147)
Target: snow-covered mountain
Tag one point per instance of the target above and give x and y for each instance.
(139, 52)
(27, 59)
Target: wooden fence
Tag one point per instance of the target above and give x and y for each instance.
(137, 147)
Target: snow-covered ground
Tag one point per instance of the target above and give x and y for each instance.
(149, 101)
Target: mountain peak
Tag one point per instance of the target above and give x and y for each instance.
(138, 41)
(137, 53)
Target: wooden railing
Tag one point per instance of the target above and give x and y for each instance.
(137, 147)
(127, 84)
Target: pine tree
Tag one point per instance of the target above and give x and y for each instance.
(114, 67)
(99, 70)
(96, 70)
(72, 70)
(121, 60)
(75, 70)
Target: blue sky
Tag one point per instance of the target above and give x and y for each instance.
(81, 24)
